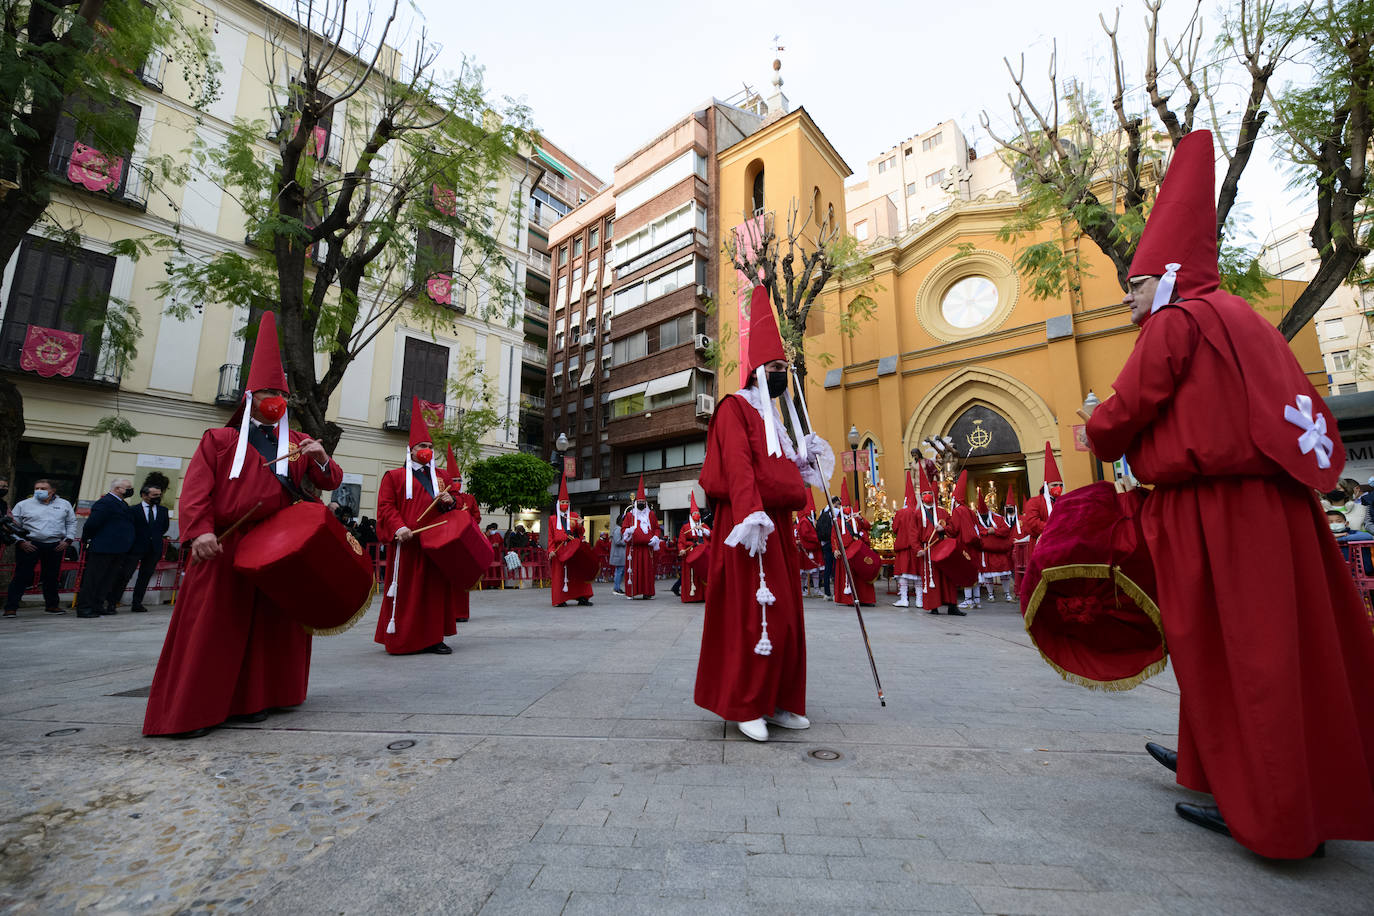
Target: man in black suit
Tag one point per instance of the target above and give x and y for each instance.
(150, 524)
(824, 523)
(110, 535)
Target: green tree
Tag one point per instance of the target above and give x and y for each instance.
(471, 412)
(340, 251)
(75, 62)
(1090, 165)
(511, 483)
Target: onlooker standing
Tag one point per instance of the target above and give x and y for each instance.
(109, 534)
(517, 539)
(150, 524)
(50, 524)
(618, 554)
(824, 523)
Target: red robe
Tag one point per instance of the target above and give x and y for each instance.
(906, 541)
(640, 557)
(465, 502)
(867, 593)
(961, 525)
(993, 562)
(1272, 651)
(229, 650)
(808, 541)
(693, 589)
(740, 476)
(1035, 516)
(426, 602)
(936, 589)
(565, 586)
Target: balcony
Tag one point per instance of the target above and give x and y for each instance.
(543, 217)
(230, 388)
(541, 263)
(531, 402)
(536, 310)
(91, 366)
(558, 186)
(129, 187)
(151, 70)
(397, 414)
(536, 354)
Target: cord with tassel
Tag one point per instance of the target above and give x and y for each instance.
(764, 597)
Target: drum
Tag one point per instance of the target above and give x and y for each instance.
(578, 559)
(458, 549)
(309, 565)
(698, 560)
(1087, 598)
(995, 543)
(955, 563)
(864, 561)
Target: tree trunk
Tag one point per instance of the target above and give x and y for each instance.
(11, 426)
(1329, 277)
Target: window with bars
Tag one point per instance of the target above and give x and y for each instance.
(60, 288)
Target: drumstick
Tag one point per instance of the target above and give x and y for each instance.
(291, 454)
(230, 530)
(443, 488)
(429, 526)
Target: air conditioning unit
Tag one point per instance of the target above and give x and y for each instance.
(702, 342)
(703, 291)
(587, 340)
(706, 405)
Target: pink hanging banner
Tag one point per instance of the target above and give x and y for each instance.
(445, 200)
(50, 352)
(749, 238)
(92, 169)
(440, 288)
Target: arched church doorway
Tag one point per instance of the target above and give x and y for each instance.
(992, 454)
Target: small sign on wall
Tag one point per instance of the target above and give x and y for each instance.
(161, 462)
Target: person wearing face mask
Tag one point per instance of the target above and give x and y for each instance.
(935, 590)
(994, 550)
(230, 651)
(463, 502)
(567, 550)
(1040, 507)
(693, 533)
(1267, 636)
(906, 543)
(809, 549)
(421, 605)
(752, 668)
(50, 525)
(109, 534)
(643, 535)
(150, 522)
(851, 527)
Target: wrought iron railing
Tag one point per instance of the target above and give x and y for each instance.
(230, 388)
(91, 366)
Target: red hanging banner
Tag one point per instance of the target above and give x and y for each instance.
(50, 352)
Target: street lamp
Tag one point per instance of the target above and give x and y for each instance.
(854, 453)
(1089, 405)
(560, 446)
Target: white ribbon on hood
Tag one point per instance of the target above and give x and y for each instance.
(1313, 437)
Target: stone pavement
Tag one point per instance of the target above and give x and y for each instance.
(555, 763)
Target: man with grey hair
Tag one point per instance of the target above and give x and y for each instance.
(45, 525)
(109, 534)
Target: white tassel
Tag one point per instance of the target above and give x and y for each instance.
(391, 591)
(764, 597)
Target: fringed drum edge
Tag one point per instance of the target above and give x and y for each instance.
(348, 624)
(1133, 591)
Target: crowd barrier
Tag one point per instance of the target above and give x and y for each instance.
(166, 574)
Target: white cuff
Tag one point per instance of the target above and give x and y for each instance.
(400, 530)
(752, 533)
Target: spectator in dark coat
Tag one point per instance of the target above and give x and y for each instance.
(110, 534)
(824, 523)
(150, 524)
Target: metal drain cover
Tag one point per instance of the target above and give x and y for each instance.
(824, 753)
(400, 745)
(62, 733)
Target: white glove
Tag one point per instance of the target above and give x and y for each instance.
(752, 533)
(654, 542)
(818, 452)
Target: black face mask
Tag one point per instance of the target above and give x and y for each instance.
(4, 491)
(641, 506)
(777, 384)
(155, 500)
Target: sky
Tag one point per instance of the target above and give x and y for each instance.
(604, 77)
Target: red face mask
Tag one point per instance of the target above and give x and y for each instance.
(696, 516)
(563, 505)
(928, 499)
(422, 455)
(1056, 490)
(272, 408)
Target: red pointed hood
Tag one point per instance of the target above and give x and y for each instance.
(1011, 497)
(982, 504)
(419, 428)
(765, 341)
(844, 493)
(639, 494)
(265, 371)
(451, 466)
(697, 512)
(1182, 225)
(1052, 474)
(810, 508)
(563, 489)
(909, 499)
(960, 494)
(926, 485)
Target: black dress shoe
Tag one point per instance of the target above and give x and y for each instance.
(138, 610)
(561, 604)
(440, 649)
(259, 716)
(1208, 816)
(193, 733)
(1166, 757)
(955, 612)
(935, 610)
(106, 612)
(87, 615)
(867, 604)
(585, 602)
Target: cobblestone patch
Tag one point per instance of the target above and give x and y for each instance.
(156, 831)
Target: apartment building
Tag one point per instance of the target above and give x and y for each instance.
(918, 178)
(188, 374)
(630, 385)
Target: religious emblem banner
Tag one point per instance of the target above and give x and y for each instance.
(50, 352)
(94, 170)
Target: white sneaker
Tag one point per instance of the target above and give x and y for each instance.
(754, 728)
(901, 602)
(784, 719)
(965, 604)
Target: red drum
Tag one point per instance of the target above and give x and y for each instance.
(578, 559)
(1088, 594)
(995, 543)
(309, 565)
(698, 560)
(954, 562)
(458, 548)
(864, 561)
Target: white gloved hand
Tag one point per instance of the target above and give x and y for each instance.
(752, 533)
(654, 542)
(820, 453)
